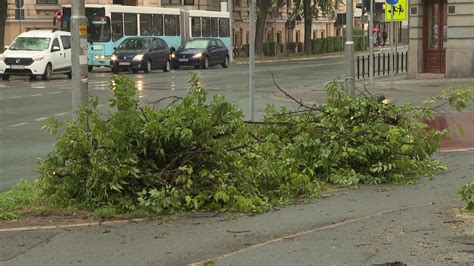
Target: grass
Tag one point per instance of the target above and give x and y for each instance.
(26, 195)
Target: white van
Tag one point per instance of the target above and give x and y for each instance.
(37, 53)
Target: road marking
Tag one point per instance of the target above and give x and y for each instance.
(31, 228)
(40, 119)
(18, 125)
(16, 97)
(56, 92)
(61, 114)
(35, 95)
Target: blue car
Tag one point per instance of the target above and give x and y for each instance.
(201, 53)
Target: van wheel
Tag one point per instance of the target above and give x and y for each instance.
(167, 66)
(5, 77)
(47, 72)
(32, 77)
(226, 62)
(89, 68)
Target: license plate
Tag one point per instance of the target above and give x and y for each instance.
(124, 63)
(17, 67)
(183, 60)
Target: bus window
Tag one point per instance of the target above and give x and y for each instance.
(223, 27)
(130, 22)
(206, 27)
(171, 25)
(145, 25)
(214, 28)
(195, 27)
(158, 25)
(117, 26)
(99, 29)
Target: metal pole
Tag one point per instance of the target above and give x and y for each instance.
(371, 43)
(349, 50)
(230, 7)
(252, 61)
(80, 76)
(390, 66)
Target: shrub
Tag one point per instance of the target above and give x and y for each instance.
(467, 194)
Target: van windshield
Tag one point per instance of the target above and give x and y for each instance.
(30, 44)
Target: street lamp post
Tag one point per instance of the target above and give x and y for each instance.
(80, 75)
(349, 85)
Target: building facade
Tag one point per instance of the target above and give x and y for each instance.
(441, 38)
(39, 14)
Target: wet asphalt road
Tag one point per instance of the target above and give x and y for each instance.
(25, 105)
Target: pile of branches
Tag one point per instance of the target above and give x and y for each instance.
(200, 154)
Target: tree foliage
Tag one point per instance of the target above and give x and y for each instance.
(200, 154)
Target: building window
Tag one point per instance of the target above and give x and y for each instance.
(171, 2)
(237, 3)
(47, 2)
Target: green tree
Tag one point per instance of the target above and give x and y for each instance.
(309, 10)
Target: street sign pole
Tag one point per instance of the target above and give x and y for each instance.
(371, 43)
(252, 61)
(391, 46)
(80, 76)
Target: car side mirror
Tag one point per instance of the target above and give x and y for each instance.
(212, 47)
(115, 48)
(55, 49)
(6, 47)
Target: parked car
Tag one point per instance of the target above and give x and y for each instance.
(201, 53)
(141, 53)
(37, 53)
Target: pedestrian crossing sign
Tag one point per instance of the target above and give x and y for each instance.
(400, 10)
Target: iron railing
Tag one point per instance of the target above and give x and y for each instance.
(383, 64)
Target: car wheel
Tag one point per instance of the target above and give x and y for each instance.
(89, 68)
(167, 66)
(134, 70)
(205, 62)
(32, 77)
(147, 66)
(115, 70)
(5, 77)
(47, 72)
(226, 62)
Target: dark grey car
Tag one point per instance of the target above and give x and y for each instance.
(141, 53)
(201, 53)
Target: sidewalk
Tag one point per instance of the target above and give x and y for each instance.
(301, 57)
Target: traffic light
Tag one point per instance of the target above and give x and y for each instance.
(365, 5)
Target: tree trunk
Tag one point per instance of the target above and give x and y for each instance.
(3, 19)
(308, 22)
(260, 28)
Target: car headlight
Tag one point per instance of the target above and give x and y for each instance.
(2, 57)
(198, 55)
(38, 57)
(113, 57)
(173, 55)
(138, 57)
